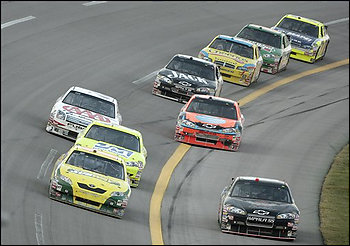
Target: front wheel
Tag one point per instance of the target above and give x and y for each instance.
(324, 53)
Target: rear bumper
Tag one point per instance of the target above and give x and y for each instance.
(202, 138)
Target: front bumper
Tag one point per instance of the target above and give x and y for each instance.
(303, 55)
(134, 174)
(237, 224)
(109, 206)
(207, 139)
(236, 76)
(269, 67)
(180, 94)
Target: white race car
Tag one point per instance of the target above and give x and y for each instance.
(77, 108)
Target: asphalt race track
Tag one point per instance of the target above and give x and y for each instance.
(291, 132)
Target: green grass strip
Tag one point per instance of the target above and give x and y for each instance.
(334, 203)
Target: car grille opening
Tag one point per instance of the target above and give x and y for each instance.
(80, 199)
(86, 187)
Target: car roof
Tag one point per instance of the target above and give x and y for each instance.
(93, 93)
(261, 179)
(98, 153)
(118, 127)
(266, 29)
(304, 19)
(214, 97)
(236, 40)
(195, 59)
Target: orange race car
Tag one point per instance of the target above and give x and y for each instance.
(210, 121)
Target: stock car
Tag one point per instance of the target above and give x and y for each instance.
(260, 207)
(309, 38)
(91, 179)
(239, 60)
(274, 46)
(122, 141)
(186, 75)
(77, 108)
(210, 121)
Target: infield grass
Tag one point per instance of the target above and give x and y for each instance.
(334, 203)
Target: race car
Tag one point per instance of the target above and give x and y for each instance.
(309, 38)
(91, 179)
(260, 207)
(274, 46)
(210, 121)
(77, 108)
(186, 75)
(239, 60)
(122, 141)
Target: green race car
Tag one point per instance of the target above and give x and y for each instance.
(122, 141)
(275, 47)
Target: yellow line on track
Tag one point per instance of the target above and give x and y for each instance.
(155, 222)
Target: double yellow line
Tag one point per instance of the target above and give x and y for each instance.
(155, 221)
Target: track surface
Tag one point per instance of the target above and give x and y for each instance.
(291, 133)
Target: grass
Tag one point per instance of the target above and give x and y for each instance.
(334, 203)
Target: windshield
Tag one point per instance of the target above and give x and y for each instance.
(260, 190)
(96, 164)
(233, 47)
(213, 107)
(113, 136)
(91, 103)
(196, 68)
(299, 27)
(260, 36)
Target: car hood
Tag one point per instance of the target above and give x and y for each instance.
(233, 59)
(126, 154)
(83, 116)
(93, 179)
(298, 38)
(250, 205)
(210, 120)
(187, 80)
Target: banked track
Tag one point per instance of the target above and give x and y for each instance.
(292, 132)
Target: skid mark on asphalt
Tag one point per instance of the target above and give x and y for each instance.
(172, 206)
(43, 169)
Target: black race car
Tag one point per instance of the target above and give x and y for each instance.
(186, 75)
(260, 207)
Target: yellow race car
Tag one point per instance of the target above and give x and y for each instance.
(309, 38)
(91, 179)
(122, 141)
(239, 60)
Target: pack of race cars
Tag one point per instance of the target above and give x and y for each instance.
(107, 159)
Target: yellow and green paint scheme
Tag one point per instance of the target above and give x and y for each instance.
(235, 68)
(77, 183)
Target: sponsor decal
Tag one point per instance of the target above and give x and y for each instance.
(185, 83)
(260, 219)
(210, 119)
(78, 172)
(261, 212)
(175, 75)
(85, 112)
(113, 149)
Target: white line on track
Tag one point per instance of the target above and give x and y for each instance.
(337, 21)
(46, 163)
(10, 23)
(93, 3)
(38, 221)
(144, 79)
